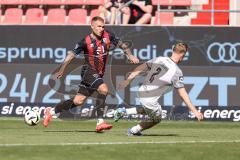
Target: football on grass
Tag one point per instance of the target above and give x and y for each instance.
(31, 117)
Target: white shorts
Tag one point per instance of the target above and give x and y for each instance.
(150, 103)
(152, 108)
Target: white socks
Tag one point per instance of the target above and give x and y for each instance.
(54, 114)
(130, 111)
(99, 121)
(136, 129)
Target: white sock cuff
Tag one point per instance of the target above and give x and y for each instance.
(130, 111)
(54, 114)
(139, 127)
(99, 121)
(136, 129)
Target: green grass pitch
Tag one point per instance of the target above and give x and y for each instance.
(170, 140)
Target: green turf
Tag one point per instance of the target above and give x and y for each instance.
(64, 140)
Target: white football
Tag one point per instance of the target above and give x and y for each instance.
(31, 117)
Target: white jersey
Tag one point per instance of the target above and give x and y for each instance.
(163, 75)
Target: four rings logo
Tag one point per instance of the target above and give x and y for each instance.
(224, 52)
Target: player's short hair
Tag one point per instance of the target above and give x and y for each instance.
(180, 47)
(97, 18)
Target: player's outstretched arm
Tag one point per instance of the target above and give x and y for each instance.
(141, 68)
(184, 95)
(67, 60)
(128, 52)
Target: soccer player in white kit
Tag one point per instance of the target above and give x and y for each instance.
(163, 74)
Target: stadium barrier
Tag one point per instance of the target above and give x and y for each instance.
(30, 55)
(210, 113)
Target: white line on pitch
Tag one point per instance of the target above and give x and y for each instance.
(115, 143)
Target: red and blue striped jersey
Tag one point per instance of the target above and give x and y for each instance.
(95, 51)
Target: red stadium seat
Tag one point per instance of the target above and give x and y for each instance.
(52, 2)
(219, 18)
(34, 16)
(94, 12)
(56, 16)
(31, 2)
(174, 2)
(181, 2)
(73, 2)
(93, 2)
(10, 2)
(13, 16)
(203, 18)
(165, 18)
(83, 2)
(77, 16)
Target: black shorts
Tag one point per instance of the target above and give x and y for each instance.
(91, 80)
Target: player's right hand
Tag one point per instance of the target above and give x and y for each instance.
(199, 115)
(57, 75)
(133, 59)
(123, 85)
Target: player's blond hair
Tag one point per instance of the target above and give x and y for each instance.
(180, 47)
(97, 18)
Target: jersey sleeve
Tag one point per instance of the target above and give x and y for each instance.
(150, 62)
(79, 47)
(178, 80)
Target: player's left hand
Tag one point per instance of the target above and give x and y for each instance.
(133, 59)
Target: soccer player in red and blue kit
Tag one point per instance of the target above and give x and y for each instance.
(95, 48)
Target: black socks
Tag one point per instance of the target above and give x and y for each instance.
(66, 105)
(100, 104)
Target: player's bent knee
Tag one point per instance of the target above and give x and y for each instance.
(103, 89)
(126, 10)
(79, 100)
(148, 15)
(157, 119)
(156, 116)
(104, 92)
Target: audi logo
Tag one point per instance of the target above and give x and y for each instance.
(224, 52)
